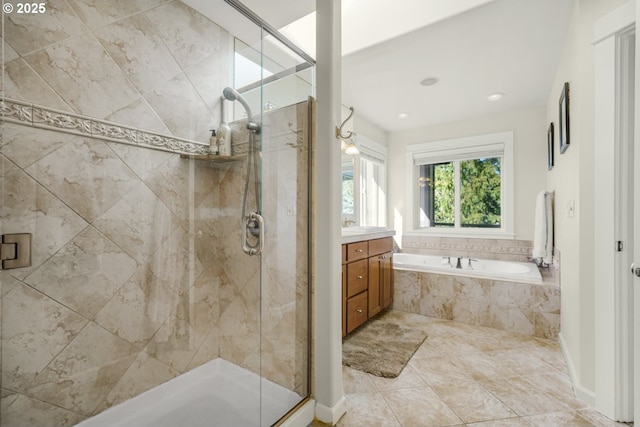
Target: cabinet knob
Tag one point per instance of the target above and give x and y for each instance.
(359, 250)
(359, 277)
(359, 310)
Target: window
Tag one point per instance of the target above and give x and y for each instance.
(373, 199)
(364, 185)
(462, 186)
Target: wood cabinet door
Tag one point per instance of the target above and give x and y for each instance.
(386, 279)
(375, 296)
(344, 300)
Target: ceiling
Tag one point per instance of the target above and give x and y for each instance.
(473, 47)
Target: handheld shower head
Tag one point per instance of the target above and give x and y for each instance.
(233, 95)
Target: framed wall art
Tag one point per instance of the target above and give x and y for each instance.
(550, 146)
(564, 118)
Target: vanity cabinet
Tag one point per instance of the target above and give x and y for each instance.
(367, 280)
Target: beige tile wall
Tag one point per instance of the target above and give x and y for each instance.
(137, 271)
(498, 249)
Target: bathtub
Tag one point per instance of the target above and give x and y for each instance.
(509, 296)
(481, 268)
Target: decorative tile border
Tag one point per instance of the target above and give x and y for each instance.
(506, 250)
(20, 112)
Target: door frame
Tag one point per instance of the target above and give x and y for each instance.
(613, 307)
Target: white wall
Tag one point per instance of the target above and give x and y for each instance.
(530, 153)
(572, 180)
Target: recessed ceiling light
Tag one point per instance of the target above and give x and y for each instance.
(403, 115)
(429, 81)
(495, 96)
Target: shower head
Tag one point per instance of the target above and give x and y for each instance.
(233, 95)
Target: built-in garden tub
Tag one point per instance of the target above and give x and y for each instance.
(505, 295)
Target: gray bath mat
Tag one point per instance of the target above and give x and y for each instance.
(382, 346)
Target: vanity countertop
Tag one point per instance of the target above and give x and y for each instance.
(358, 234)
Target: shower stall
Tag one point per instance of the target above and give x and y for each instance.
(127, 294)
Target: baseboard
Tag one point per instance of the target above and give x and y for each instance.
(302, 417)
(331, 415)
(582, 393)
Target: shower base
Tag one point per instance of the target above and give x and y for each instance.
(217, 393)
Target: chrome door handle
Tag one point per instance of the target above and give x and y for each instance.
(253, 250)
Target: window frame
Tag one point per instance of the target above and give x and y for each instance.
(456, 149)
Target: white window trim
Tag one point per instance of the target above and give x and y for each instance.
(459, 146)
(372, 149)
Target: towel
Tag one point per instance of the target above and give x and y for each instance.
(543, 231)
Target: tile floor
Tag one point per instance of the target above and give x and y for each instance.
(464, 375)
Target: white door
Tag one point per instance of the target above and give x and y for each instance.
(636, 228)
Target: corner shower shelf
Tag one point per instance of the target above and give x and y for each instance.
(214, 158)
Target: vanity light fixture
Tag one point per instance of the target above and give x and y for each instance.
(348, 141)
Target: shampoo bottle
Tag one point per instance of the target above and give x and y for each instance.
(224, 139)
(213, 142)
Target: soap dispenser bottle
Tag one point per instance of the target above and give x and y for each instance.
(213, 142)
(224, 139)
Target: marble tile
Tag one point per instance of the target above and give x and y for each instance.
(190, 37)
(597, 419)
(139, 308)
(513, 319)
(209, 350)
(408, 378)
(85, 75)
(439, 285)
(565, 419)
(509, 294)
(30, 208)
(436, 306)
(506, 422)
(356, 382)
(98, 13)
(25, 34)
(474, 289)
(140, 115)
(521, 360)
(85, 274)
(406, 291)
(82, 375)
(439, 345)
(210, 76)
(547, 299)
(472, 403)
(138, 223)
(148, 4)
(368, 409)
(193, 120)
(35, 329)
(547, 325)
(523, 398)
(472, 312)
(420, 406)
(22, 83)
(85, 175)
(480, 366)
(18, 409)
(556, 384)
(143, 374)
(25, 145)
(138, 51)
(9, 53)
(173, 179)
(440, 370)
